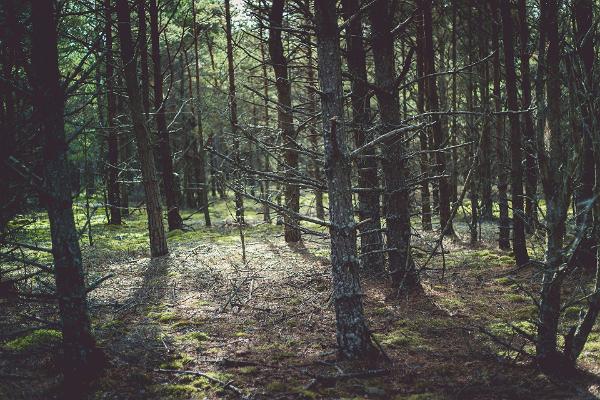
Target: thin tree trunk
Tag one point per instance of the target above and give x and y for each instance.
(80, 354)
(371, 240)
(239, 199)
(397, 193)
(173, 218)
(501, 156)
(352, 332)
(285, 118)
(158, 241)
(432, 103)
(112, 178)
(519, 243)
(528, 128)
(265, 81)
(198, 140)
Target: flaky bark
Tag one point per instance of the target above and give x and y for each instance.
(352, 333)
(80, 353)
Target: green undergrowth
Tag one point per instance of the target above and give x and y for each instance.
(33, 340)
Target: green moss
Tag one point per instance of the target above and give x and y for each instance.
(178, 362)
(39, 338)
(505, 281)
(572, 312)
(504, 329)
(179, 391)
(248, 370)
(196, 336)
(241, 334)
(276, 386)
(401, 337)
(517, 298)
(162, 316)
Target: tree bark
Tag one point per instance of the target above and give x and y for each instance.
(164, 142)
(432, 104)
(397, 193)
(519, 243)
(158, 241)
(352, 332)
(80, 352)
(239, 200)
(285, 118)
(112, 176)
(371, 241)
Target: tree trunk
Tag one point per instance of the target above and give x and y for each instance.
(173, 218)
(519, 243)
(352, 332)
(112, 176)
(371, 241)
(501, 156)
(80, 353)
(198, 139)
(397, 193)
(528, 129)
(285, 118)
(239, 199)
(432, 105)
(158, 241)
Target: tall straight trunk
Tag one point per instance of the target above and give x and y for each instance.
(80, 353)
(528, 128)
(454, 132)
(198, 139)
(125, 151)
(233, 117)
(485, 162)
(265, 82)
(189, 156)
(173, 218)
(501, 156)
(112, 176)
(143, 50)
(158, 241)
(285, 118)
(432, 105)
(371, 240)
(519, 243)
(313, 136)
(423, 142)
(397, 193)
(557, 199)
(352, 333)
(472, 135)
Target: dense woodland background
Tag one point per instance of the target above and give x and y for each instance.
(265, 199)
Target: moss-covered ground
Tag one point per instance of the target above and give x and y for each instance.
(267, 325)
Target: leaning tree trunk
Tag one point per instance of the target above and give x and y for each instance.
(371, 241)
(285, 118)
(352, 333)
(112, 176)
(158, 241)
(48, 98)
(519, 243)
(397, 192)
(173, 218)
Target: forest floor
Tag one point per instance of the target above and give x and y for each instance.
(265, 328)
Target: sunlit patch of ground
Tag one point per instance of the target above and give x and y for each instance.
(265, 327)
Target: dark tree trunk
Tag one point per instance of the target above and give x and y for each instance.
(80, 353)
(352, 332)
(528, 128)
(423, 142)
(239, 199)
(485, 162)
(158, 241)
(173, 218)
(285, 118)
(501, 156)
(432, 105)
(397, 193)
(198, 139)
(371, 241)
(112, 178)
(265, 82)
(143, 49)
(519, 242)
